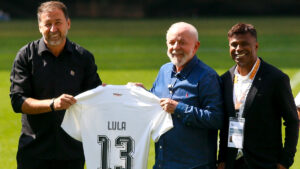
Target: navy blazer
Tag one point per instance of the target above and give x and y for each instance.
(269, 101)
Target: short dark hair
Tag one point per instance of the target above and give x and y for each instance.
(50, 5)
(242, 28)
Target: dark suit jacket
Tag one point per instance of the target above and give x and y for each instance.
(268, 102)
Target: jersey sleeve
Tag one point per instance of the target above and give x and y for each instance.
(161, 124)
(297, 100)
(71, 121)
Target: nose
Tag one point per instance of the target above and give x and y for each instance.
(239, 48)
(176, 45)
(53, 28)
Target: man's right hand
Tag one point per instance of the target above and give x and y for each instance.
(221, 165)
(64, 101)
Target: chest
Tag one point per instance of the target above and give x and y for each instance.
(53, 76)
(183, 90)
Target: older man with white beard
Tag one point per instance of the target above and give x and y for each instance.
(46, 74)
(190, 91)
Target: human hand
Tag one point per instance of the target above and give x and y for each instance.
(168, 105)
(136, 84)
(279, 166)
(64, 101)
(221, 165)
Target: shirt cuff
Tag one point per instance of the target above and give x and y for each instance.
(180, 108)
(17, 103)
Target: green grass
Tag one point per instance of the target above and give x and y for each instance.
(133, 50)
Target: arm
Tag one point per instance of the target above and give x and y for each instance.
(291, 121)
(20, 78)
(34, 106)
(21, 89)
(223, 134)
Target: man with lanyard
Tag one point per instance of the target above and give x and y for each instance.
(257, 96)
(46, 74)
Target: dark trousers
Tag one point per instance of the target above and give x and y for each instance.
(51, 164)
(240, 164)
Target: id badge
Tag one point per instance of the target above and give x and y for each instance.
(236, 132)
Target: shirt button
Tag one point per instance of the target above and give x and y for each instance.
(178, 116)
(160, 147)
(171, 92)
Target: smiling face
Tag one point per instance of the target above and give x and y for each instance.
(182, 45)
(54, 27)
(243, 49)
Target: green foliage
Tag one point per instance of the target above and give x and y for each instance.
(133, 50)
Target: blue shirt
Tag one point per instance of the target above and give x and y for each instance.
(192, 143)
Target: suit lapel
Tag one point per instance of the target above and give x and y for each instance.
(229, 92)
(254, 88)
(228, 96)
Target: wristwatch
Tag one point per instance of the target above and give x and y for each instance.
(52, 105)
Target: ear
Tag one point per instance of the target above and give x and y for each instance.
(40, 27)
(197, 45)
(69, 23)
(256, 45)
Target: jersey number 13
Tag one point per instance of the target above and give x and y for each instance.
(120, 142)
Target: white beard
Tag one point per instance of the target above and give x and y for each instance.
(179, 62)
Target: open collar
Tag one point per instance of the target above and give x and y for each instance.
(187, 68)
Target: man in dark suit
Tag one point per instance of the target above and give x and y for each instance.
(257, 96)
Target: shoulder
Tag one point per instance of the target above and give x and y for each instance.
(271, 71)
(203, 69)
(30, 47)
(81, 51)
(228, 74)
(167, 66)
(27, 51)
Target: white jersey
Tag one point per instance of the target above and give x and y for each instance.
(114, 124)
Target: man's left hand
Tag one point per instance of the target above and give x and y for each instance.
(279, 166)
(168, 105)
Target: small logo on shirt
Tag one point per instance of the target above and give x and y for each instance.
(186, 95)
(117, 94)
(72, 73)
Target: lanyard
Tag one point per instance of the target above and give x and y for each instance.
(239, 101)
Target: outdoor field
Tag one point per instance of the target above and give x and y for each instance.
(134, 50)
